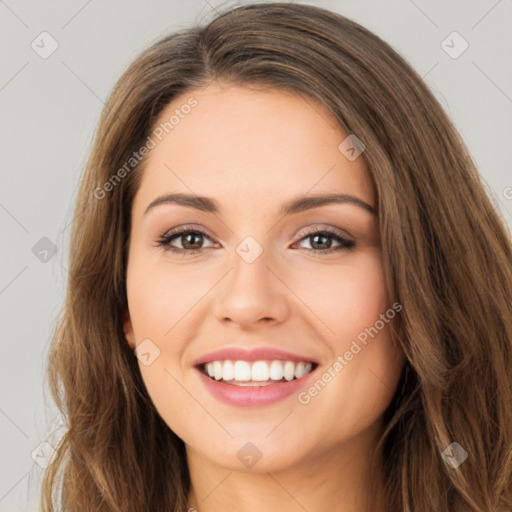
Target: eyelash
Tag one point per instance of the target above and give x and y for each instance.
(165, 241)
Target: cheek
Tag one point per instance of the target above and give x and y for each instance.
(362, 334)
(347, 299)
(158, 298)
(157, 302)
(364, 299)
(364, 365)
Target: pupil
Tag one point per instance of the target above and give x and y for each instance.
(192, 245)
(316, 237)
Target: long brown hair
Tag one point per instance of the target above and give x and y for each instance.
(447, 258)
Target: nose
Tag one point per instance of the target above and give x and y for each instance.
(251, 295)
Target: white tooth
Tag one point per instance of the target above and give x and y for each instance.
(228, 371)
(276, 370)
(209, 369)
(307, 368)
(260, 371)
(242, 371)
(289, 370)
(300, 370)
(217, 369)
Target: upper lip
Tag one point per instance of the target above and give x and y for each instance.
(254, 354)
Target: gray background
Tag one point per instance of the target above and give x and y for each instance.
(49, 110)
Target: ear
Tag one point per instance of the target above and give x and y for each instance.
(128, 330)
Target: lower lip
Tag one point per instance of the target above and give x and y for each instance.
(250, 396)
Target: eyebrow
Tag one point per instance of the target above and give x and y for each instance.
(208, 205)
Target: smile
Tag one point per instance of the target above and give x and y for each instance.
(256, 373)
(254, 377)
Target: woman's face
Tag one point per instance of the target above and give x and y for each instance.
(279, 296)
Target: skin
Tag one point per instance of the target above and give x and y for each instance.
(251, 150)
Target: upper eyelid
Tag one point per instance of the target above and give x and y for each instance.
(331, 230)
(186, 229)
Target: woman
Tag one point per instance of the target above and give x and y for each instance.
(282, 225)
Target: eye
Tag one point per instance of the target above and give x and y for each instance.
(188, 240)
(321, 241)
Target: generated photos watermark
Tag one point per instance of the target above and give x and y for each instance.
(304, 397)
(137, 156)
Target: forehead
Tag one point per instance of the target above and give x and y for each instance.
(249, 144)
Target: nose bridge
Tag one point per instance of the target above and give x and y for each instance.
(251, 263)
(250, 291)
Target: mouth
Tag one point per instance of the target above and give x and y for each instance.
(260, 376)
(256, 373)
